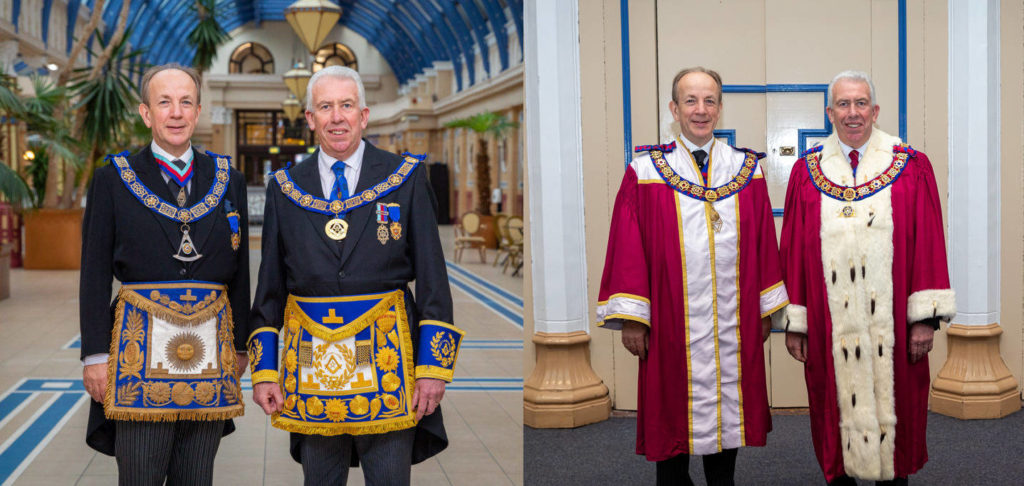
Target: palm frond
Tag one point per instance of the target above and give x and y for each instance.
(207, 35)
(13, 187)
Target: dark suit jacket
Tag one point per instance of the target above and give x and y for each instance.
(123, 239)
(299, 258)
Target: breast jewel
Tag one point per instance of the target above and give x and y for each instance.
(701, 192)
(187, 251)
(337, 228)
(848, 194)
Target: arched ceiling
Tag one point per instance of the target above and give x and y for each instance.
(410, 34)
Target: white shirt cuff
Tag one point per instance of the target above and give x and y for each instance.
(95, 359)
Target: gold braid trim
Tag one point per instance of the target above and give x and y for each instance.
(430, 371)
(154, 415)
(348, 329)
(159, 310)
(115, 341)
(264, 376)
(339, 428)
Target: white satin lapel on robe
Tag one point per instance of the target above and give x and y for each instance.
(711, 287)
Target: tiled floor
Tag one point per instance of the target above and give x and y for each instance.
(42, 423)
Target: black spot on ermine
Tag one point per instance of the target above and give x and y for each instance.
(872, 306)
(882, 439)
(880, 352)
(857, 352)
(853, 274)
(846, 354)
(854, 399)
(833, 277)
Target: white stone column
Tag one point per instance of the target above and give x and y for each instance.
(974, 382)
(8, 56)
(562, 391)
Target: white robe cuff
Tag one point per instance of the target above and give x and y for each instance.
(926, 304)
(619, 307)
(796, 319)
(773, 298)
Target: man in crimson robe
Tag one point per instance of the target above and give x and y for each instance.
(691, 276)
(865, 265)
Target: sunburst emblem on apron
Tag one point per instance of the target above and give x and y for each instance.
(185, 351)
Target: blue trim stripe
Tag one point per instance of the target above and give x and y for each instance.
(902, 8)
(488, 285)
(36, 434)
(51, 385)
(491, 344)
(74, 343)
(728, 134)
(10, 405)
(627, 110)
(501, 310)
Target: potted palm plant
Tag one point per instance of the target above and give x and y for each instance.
(488, 126)
(90, 117)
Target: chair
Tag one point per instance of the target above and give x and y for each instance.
(501, 232)
(465, 236)
(515, 246)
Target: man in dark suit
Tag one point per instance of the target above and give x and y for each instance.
(174, 218)
(322, 246)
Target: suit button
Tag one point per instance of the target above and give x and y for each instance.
(181, 272)
(341, 274)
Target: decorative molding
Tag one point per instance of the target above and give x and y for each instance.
(563, 391)
(974, 382)
(221, 115)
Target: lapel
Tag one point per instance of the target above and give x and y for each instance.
(374, 171)
(144, 165)
(306, 175)
(203, 172)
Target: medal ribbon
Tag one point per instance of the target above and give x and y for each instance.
(168, 210)
(182, 176)
(319, 205)
(839, 192)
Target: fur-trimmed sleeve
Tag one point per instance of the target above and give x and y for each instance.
(930, 294)
(791, 252)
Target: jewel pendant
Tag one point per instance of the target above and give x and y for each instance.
(187, 251)
(336, 229)
(847, 212)
(716, 220)
(181, 197)
(382, 234)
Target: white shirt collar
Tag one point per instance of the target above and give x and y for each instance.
(353, 166)
(692, 146)
(158, 150)
(847, 149)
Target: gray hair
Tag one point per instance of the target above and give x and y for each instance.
(852, 76)
(341, 72)
(147, 77)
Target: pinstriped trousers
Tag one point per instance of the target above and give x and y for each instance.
(386, 459)
(182, 452)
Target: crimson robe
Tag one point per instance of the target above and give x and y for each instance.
(703, 293)
(858, 275)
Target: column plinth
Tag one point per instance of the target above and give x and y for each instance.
(563, 391)
(974, 382)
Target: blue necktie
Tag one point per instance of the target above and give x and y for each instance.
(340, 191)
